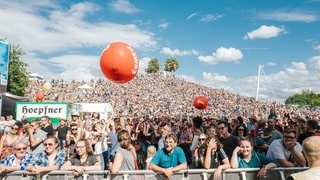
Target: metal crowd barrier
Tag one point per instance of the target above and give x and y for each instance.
(190, 174)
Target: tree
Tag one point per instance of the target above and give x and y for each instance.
(17, 74)
(171, 65)
(306, 98)
(153, 66)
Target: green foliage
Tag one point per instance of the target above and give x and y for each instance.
(171, 64)
(153, 66)
(18, 77)
(306, 98)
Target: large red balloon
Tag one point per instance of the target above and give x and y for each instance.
(200, 102)
(39, 95)
(119, 62)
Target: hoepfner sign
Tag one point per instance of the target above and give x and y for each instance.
(38, 109)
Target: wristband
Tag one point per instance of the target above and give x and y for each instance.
(265, 167)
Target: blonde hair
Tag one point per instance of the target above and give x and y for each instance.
(151, 150)
(310, 148)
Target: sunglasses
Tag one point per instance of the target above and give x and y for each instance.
(123, 139)
(19, 149)
(48, 144)
(289, 137)
(14, 128)
(202, 139)
(73, 129)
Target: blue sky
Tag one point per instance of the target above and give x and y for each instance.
(218, 43)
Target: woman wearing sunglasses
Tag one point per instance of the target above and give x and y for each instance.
(241, 131)
(6, 142)
(19, 160)
(49, 159)
(196, 153)
(73, 135)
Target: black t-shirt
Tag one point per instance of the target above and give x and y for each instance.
(229, 144)
(304, 136)
(62, 131)
(49, 130)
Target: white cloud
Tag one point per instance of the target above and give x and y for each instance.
(71, 44)
(214, 77)
(164, 25)
(188, 78)
(210, 17)
(271, 64)
(67, 29)
(222, 54)
(316, 47)
(315, 64)
(123, 6)
(265, 32)
(177, 52)
(295, 78)
(291, 16)
(192, 15)
(143, 64)
(63, 67)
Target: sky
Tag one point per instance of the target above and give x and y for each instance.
(218, 43)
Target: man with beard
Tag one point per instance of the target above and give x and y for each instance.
(169, 159)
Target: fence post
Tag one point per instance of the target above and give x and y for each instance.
(205, 176)
(85, 176)
(282, 174)
(125, 176)
(243, 175)
(45, 177)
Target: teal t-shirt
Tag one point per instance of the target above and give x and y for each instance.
(165, 160)
(257, 161)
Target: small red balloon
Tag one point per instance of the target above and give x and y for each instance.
(119, 62)
(40, 95)
(200, 102)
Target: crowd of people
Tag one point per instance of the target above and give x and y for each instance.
(154, 126)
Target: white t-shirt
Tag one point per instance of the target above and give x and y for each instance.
(277, 150)
(312, 173)
(101, 146)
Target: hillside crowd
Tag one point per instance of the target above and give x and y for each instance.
(153, 116)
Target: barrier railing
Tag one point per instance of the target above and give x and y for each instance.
(190, 174)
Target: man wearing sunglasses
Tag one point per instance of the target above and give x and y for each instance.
(36, 136)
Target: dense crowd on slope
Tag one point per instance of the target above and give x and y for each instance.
(158, 96)
(153, 115)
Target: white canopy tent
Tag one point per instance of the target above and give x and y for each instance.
(85, 86)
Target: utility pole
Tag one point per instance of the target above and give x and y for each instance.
(258, 82)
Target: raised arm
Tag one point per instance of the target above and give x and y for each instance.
(234, 159)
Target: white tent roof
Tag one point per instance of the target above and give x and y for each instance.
(85, 86)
